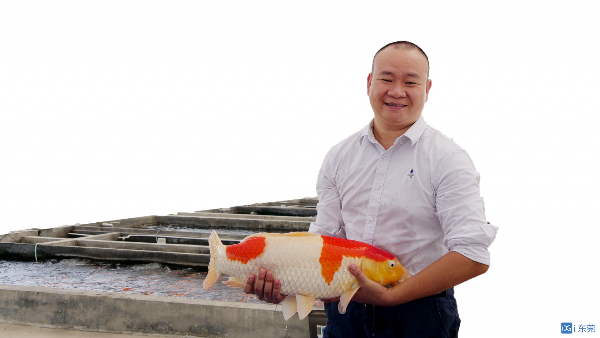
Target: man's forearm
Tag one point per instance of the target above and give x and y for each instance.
(448, 271)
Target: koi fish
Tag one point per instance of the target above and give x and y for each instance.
(309, 266)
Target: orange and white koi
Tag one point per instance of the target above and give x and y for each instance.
(309, 266)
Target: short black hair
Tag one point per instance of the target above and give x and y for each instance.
(403, 44)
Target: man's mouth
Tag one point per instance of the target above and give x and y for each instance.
(394, 104)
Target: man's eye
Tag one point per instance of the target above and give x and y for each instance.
(386, 80)
(411, 83)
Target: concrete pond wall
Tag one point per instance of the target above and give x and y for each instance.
(122, 313)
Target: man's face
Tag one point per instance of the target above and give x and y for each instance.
(398, 87)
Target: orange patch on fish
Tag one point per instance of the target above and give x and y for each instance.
(334, 250)
(249, 249)
(332, 254)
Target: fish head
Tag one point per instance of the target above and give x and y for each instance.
(384, 272)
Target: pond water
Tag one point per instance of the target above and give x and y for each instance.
(154, 279)
(149, 279)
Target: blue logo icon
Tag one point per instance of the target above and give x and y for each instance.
(566, 328)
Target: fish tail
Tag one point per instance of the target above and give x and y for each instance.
(214, 242)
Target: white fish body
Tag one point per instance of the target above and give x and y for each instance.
(309, 266)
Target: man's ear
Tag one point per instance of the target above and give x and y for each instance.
(369, 78)
(427, 88)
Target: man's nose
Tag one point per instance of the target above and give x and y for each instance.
(397, 91)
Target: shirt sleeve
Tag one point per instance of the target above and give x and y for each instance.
(460, 209)
(329, 220)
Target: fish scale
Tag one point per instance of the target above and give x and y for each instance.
(308, 266)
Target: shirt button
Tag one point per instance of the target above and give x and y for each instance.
(370, 219)
(384, 157)
(377, 187)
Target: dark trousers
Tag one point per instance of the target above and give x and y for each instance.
(433, 316)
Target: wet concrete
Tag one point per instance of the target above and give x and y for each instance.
(23, 331)
(125, 313)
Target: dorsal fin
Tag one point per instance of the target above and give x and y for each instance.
(289, 234)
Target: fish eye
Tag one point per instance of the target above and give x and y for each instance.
(392, 264)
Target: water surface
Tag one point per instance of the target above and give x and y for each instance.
(148, 279)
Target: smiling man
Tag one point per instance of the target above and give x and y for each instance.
(402, 186)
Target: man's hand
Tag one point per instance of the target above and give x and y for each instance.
(446, 272)
(265, 288)
(370, 292)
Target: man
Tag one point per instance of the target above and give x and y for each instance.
(402, 186)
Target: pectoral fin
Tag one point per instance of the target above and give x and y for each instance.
(232, 281)
(346, 297)
(305, 305)
(289, 307)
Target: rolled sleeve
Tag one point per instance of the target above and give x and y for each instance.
(329, 220)
(472, 241)
(461, 210)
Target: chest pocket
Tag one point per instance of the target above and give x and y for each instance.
(405, 192)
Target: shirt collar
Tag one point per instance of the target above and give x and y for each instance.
(413, 133)
(416, 130)
(367, 132)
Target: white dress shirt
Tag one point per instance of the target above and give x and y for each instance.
(417, 200)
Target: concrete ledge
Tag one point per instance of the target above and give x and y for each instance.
(123, 313)
(182, 258)
(226, 215)
(200, 222)
(29, 331)
(275, 210)
(152, 232)
(127, 222)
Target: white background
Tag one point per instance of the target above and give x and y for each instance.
(117, 109)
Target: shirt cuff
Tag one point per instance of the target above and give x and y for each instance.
(315, 229)
(472, 241)
(479, 254)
